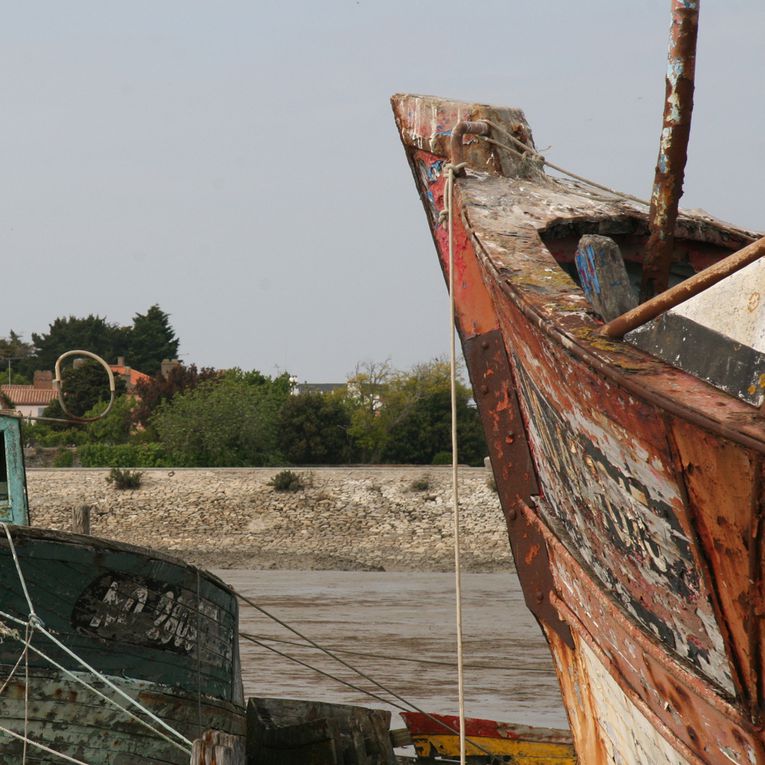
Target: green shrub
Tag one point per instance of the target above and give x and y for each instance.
(442, 458)
(124, 479)
(286, 480)
(123, 455)
(64, 458)
(420, 484)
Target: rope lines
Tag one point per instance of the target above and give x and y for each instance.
(386, 656)
(523, 151)
(34, 623)
(322, 672)
(450, 171)
(408, 705)
(38, 745)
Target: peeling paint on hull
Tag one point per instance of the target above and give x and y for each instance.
(162, 631)
(636, 529)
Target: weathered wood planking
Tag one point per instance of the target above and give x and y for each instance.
(216, 748)
(163, 631)
(295, 732)
(651, 479)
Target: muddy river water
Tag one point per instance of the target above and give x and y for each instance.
(401, 617)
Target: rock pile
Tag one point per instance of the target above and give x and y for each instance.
(391, 518)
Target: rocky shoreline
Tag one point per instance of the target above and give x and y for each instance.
(350, 518)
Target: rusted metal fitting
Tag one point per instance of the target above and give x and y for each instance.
(673, 147)
(461, 129)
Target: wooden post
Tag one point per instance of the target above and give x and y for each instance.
(81, 519)
(218, 748)
(603, 276)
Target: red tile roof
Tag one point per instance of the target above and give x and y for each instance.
(133, 375)
(28, 395)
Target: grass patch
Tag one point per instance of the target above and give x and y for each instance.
(287, 480)
(124, 479)
(420, 484)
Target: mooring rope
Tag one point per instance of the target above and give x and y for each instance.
(322, 672)
(29, 632)
(450, 170)
(38, 745)
(108, 699)
(396, 657)
(410, 706)
(34, 622)
(524, 151)
(14, 634)
(32, 614)
(105, 680)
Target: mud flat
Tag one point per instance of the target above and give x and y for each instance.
(386, 518)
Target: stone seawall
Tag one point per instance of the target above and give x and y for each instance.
(391, 518)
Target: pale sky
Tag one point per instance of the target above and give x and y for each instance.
(237, 162)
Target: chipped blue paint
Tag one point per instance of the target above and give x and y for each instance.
(434, 171)
(675, 70)
(585, 264)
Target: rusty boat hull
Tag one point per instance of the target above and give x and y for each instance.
(632, 490)
(162, 631)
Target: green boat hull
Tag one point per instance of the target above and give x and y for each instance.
(164, 632)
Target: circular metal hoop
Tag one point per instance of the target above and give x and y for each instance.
(60, 390)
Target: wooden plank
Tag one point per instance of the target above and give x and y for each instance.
(603, 276)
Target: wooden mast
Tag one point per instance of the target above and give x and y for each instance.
(673, 147)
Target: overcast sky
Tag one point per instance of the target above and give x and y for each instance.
(237, 162)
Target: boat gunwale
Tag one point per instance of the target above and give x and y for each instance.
(56, 536)
(633, 381)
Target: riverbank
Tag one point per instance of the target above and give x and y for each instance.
(346, 519)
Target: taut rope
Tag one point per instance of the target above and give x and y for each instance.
(450, 170)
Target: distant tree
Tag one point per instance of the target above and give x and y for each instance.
(12, 376)
(92, 333)
(409, 418)
(314, 429)
(13, 348)
(366, 388)
(150, 340)
(417, 409)
(281, 383)
(116, 426)
(228, 421)
(15, 355)
(180, 378)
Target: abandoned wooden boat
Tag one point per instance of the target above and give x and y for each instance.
(632, 487)
(488, 741)
(132, 654)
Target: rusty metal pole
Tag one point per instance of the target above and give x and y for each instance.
(673, 147)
